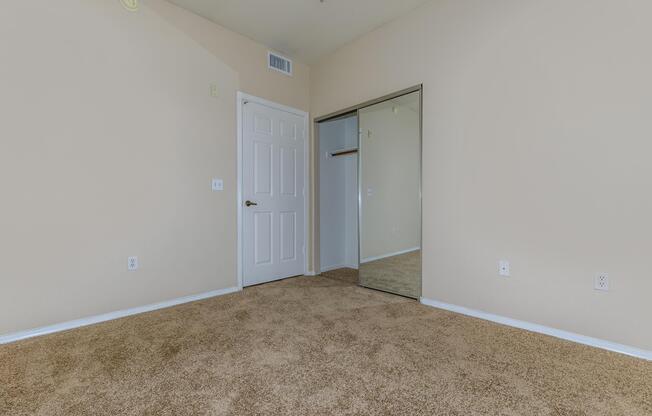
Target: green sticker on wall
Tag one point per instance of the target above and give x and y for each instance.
(131, 5)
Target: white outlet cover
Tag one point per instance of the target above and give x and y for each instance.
(132, 263)
(217, 184)
(504, 268)
(214, 91)
(602, 282)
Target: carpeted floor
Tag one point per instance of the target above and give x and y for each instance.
(314, 346)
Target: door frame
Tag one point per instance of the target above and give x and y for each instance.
(241, 99)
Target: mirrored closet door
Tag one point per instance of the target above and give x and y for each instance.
(390, 195)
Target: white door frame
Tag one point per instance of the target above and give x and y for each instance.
(241, 99)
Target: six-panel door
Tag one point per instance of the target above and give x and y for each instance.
(273, 193)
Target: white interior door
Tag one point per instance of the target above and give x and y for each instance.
(273, 194)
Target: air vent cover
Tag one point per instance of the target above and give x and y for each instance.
(279, 63)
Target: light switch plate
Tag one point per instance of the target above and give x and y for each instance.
(218, 185)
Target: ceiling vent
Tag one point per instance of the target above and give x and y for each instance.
(279, 63)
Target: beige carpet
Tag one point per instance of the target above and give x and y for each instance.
(397, 274)
(314, 346)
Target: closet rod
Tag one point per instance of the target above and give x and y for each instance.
(344, 152)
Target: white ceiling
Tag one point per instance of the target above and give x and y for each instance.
(303, 29)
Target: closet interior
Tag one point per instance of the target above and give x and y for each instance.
(338, 188)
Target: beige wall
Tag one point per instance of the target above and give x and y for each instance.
(108, 142)
(246, 57)
(537, 143)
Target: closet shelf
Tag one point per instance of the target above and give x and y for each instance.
(344, 152)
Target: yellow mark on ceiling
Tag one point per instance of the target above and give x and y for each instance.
(131, 5)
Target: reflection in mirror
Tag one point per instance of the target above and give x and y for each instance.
(390, 196)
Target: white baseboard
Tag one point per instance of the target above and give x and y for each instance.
(541, 329)
(78, 323)
(333, 267)
(311, 273)
(339, 266)
(384, 256)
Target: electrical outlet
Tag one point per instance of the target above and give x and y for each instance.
(602, 282)
(214, 91)
(132, 264)
(503, 268)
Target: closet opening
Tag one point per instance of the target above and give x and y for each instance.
(338, 191)
(368, 194)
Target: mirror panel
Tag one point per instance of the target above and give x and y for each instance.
(390, 195)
